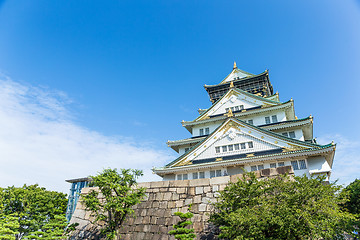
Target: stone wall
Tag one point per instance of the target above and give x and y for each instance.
(154, 215)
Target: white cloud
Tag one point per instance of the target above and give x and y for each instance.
(39, 142)
(346, 167)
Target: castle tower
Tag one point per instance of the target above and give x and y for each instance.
(257, 84)
(247, 127)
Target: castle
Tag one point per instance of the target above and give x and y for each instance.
(247, 128)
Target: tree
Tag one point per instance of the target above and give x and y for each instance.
(352, 191)
(32, 212)
(181, 232)
(8, 227)
(119, 192)
(280, 208)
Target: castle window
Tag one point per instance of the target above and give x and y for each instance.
(253, 168)
(295, 165)
(201, 131)
(187, 149)
(179, 177)
(217, 149)
(250, 144)
(241, 107)
(274, 119)
(302, 164)
(195, 175)
(237, 108)
(185, 176)
(224, 148)
(201, 174)
(206, 131)
(289, 134)
(242, 145)
(212, 173)
(251, 122)
(231, 148)
(267, 120)
(272, 165)
(218, 173)
(260, 167)
(236, 146)
(292, 134)
(281, 164)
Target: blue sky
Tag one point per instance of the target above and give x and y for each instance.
(123, 74)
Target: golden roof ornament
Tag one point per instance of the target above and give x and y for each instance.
(234, 65)
(229, 113)
(231, 84)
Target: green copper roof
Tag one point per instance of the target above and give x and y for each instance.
(310, 145)
(243, 92)
(237, 80)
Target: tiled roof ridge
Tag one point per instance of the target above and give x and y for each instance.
(278, 104)
(245, 78)
(313, 145)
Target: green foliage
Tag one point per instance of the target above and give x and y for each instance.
(118, 194)
(8, 227)
(32, 212)
(352, 191)
(280, 208)
(181, 232)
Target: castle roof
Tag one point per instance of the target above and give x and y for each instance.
(281, 146)
(271, 126)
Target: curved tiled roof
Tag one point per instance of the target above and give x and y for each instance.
(310, 145)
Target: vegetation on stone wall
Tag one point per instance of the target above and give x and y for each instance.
(111, 204)
(281, 208)
(32, 212)
(181, 231)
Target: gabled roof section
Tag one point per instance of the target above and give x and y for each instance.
(188, 141)
(276, 127)
(245, 78)
(287, 106)
(236, 74)
(274, 97)
(232, 128)
(237, 94)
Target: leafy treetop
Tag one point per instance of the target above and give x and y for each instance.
(280, 208)
(32, 212)
(352, 191)
(119, 192)
(181, 232)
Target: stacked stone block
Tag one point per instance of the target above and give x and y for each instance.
(154, 216)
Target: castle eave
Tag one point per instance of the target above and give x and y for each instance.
(236, 162)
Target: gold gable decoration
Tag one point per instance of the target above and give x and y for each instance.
(231, 124)
(183, 163)
(293, 148)
(229, 113)
(231, 84)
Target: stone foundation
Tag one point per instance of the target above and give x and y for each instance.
(154, 215)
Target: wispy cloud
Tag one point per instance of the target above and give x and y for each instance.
(40, 142)
(346, 166)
